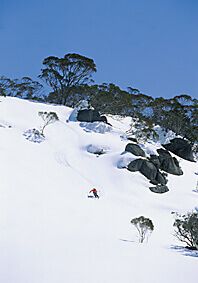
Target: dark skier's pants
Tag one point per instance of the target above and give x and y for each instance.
(95, 195)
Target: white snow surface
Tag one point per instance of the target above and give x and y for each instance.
(50, 232)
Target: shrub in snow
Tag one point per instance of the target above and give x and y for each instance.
(186, 229)
(164, 136)
(34, 135)
(48, 119)
(142, 130)
(144, 226)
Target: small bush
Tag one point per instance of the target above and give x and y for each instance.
(34, 135)
(144, 227)
(142, 130)
(48, 119)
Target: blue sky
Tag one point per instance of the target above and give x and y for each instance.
(147, 44)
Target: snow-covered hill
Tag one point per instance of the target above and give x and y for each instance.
(50, 232)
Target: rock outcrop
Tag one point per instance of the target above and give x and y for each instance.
(155, 160)
(135, 149)
(132, 139)
(168, 163)
(149, 170)
(96, 149)
(159, 189)
(156, 167)
(135, 165)
(90, 115)
(181, 148)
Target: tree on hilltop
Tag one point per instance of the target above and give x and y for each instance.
(64, 74)
(24, 88)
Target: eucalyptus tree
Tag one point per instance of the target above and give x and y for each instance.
(186, 228)
(65, 74)
(24, 88)
(144, 226)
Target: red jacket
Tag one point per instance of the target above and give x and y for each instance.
(94, 191)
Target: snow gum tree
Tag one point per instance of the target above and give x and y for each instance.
(186, 229)
(63, 75)
(144, 227)
(24, 88)
(48, 118)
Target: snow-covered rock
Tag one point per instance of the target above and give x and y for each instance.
(96, 149)
(82, 105)
(164, 137)
(125, 159)
(96, 127)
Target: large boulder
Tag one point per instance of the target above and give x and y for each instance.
(159, 189)
(161, 179)
(135, 165)
(90, 115)
(181, 148)
(155, 160)
(168, 163)
(135, 149)
(81, 105)
(132, 139)
(153, 182)
(149, 170)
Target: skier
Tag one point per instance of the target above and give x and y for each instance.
(94, 191)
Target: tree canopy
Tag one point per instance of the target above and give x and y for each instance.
(65, 74)
(186, 229)
(24, 88)
(71, 80)
(48, 118)
(143, 225)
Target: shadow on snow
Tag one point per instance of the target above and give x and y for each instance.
(184, 251)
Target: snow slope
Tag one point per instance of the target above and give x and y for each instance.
(50, 232)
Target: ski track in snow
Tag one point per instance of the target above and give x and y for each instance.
(60, 157)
